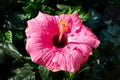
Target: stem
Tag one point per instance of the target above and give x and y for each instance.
(71, 76)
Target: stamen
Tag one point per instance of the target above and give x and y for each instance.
(63, 27)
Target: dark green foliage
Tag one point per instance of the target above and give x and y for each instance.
(48, 75)
(44, 73)
(102, 16)
(23, 73)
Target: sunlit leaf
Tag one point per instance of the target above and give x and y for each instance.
(10, 50)
(8, 36)
(33, 7)
(61, 6)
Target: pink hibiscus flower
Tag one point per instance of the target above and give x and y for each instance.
(59, 42)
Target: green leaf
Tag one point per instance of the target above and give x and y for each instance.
(2, 56)
(69, 76)
(96, 54)
(48, 10)
(33, 7)
(69, 10)
(44, 73)
(23, 73)
(28, 60)
(15, 21)
(61, 6)
(19, 35)
(84, 16)
(86, 68)
(10, 50)
(49, 75)
(8, 36)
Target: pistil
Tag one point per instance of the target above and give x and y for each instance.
(60, 36)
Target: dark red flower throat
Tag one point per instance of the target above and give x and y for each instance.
(60, 43)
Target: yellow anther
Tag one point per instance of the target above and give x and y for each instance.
(63, 26)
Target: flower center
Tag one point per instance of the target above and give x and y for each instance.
(60, 40)
(61, 43)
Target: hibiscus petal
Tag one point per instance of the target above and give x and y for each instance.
(84, 36)
(81, 34)
(71, 57)
(39, 35)
(43, 23)
(76, 20)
